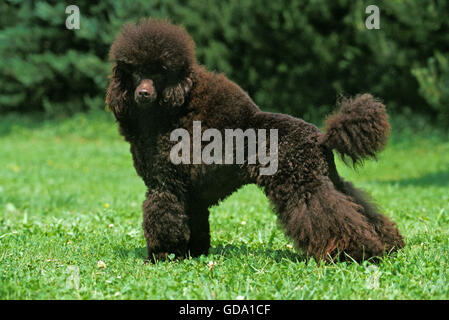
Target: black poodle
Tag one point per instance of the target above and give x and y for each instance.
(157, 87)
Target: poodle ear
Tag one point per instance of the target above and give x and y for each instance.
(117, 92)
(175, 95)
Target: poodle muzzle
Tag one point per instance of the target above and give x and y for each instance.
(145, 93)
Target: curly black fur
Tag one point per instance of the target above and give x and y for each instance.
(325, 215)
(359, 129)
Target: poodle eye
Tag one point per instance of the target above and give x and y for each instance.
(124, 67)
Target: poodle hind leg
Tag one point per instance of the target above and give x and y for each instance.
(385, 228)
(327, 224)
(165, 225)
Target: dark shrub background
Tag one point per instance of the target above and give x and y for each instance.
(295, 57)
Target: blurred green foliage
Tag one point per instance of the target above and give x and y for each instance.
(290, 56)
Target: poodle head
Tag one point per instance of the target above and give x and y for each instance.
(152, 66)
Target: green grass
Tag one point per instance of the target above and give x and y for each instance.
(69, 198)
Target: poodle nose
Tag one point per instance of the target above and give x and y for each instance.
(145, 88)
(144, 93)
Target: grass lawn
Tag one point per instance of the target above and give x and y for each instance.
(70, 225)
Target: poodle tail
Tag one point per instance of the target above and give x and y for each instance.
(358, 130)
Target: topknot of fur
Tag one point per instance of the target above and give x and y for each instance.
(154, 42)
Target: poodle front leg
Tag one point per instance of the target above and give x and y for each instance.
(200, 230)
(165, 225)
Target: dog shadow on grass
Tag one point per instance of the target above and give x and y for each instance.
(440, 178)
(138, 253)
(241, 251)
